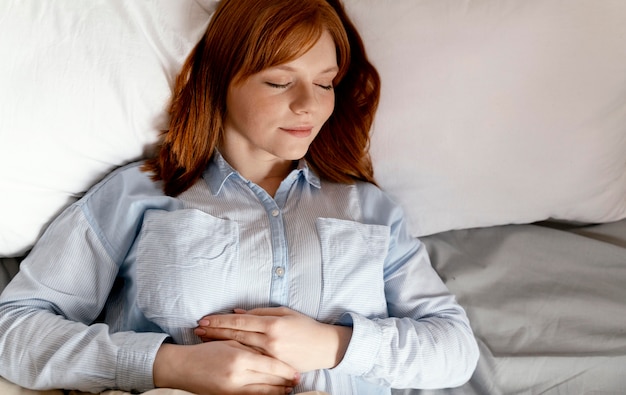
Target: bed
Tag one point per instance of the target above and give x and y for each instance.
(501, 131)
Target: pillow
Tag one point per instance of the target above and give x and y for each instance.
(498, 112)
(85, 86)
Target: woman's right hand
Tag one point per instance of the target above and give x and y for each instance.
(221, 367)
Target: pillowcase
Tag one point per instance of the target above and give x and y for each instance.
(85, 87)
(497, 112)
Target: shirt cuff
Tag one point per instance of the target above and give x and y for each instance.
(363, 348)
(135, 360)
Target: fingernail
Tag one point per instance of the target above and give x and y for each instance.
(297, 377)
(204, 322)
(199, 332)
(288, 390)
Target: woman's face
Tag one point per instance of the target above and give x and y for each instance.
(274, 115)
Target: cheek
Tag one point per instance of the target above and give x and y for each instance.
(242, 112)
(328, 107)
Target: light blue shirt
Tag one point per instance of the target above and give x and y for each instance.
(147, 266)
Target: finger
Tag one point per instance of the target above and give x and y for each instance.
(244, 347)
(262, 369)
(236, 311)
(243, 322)
(263, 389)
(254, 377)
(223, 319)
(252, 339)
(257, 350)
(271, 370)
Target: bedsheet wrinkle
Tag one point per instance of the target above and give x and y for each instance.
(547, 303)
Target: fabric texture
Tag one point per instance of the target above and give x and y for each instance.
(546, 304)
(335, 252)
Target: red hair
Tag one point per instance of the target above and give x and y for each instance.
(243, 38)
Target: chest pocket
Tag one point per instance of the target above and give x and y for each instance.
(353, 256)
(187, 266)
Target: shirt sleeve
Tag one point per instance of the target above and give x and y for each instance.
(426, 342)
(47, 339)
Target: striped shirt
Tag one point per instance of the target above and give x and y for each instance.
(126, 267)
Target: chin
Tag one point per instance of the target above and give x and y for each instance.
(295, 154)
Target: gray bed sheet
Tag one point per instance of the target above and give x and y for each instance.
(547, 304)
(8, 269)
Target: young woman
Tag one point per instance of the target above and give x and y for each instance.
(254, 253)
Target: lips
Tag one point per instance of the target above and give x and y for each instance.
(298, 131)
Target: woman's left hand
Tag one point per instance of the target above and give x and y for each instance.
(282, 333)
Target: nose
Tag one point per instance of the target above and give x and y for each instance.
(304, 99)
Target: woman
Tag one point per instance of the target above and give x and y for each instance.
(253, 254)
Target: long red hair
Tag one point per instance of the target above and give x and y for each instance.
(243, 38)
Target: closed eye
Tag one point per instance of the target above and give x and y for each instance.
(278, 86)
(325, 87)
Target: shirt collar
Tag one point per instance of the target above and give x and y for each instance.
(219, 171)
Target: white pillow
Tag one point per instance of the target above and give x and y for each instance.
(496, 112)
(84, 89)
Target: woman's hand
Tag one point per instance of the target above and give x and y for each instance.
(222, 367)
(282, 333)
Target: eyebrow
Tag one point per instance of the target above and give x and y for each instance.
(289, 68)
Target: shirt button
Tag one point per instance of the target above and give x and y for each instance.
(275, 213)
(279, 271)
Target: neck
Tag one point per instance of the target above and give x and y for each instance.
(270, 180)
(266, 174)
